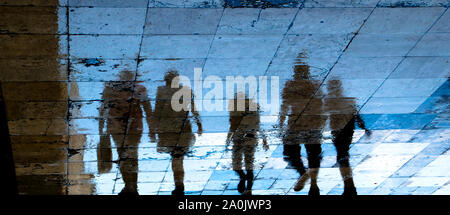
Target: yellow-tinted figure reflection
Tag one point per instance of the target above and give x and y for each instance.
(243, 133)
(304, 124)
(123, 114)
(343, 116)
(173, 127)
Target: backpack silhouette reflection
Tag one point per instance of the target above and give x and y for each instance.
(343, 116)
(243, 133)
(122, 109)
(304, 108)
(173, 127)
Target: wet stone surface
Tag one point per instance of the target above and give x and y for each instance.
(363, 95)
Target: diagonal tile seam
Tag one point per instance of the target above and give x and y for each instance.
(214, 37)
(163, 179)
(403, 58)
(203, 66)
(138, 60)
(209, 49)
(436, 89)
(284, 36)
(446, 184)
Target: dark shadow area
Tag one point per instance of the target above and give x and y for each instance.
(7, 161)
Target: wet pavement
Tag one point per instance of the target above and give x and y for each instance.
(361, 105)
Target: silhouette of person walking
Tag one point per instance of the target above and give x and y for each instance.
(302, 105)
(122, 109)
(343, 116)
(173, 127)
(244, 132)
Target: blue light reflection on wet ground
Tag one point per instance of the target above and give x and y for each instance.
(71, 67)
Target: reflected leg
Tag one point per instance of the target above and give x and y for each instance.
(342, 143)
(237, 164)
(249, 152)
(178, 173)
(104, 154)
(292, 155)
(128, 161)
(314, 151)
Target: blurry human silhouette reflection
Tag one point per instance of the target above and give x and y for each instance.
(243, 133)
(343, 116)
(173, 127)
(304, 108)
(122, 110)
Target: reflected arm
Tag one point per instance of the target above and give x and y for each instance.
(264, 138)
(102, 114)
(283, 113)
(234, 122)
(196, 116)
(262, 134)
(361, 123)
(101, 121)
(149, 113)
